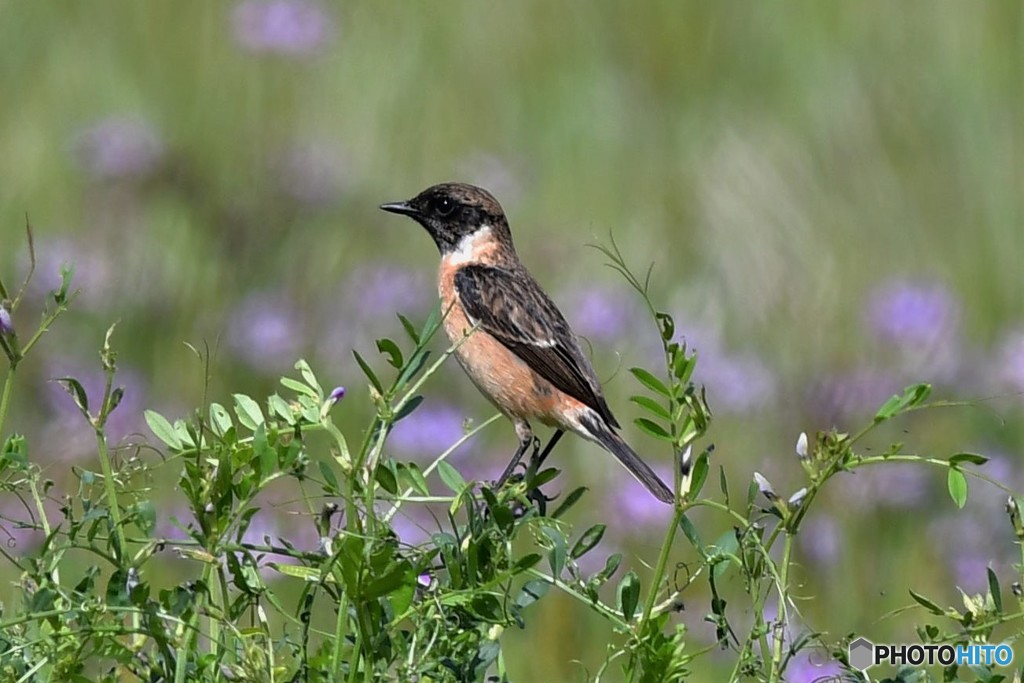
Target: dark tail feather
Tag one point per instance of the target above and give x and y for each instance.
(614, 444)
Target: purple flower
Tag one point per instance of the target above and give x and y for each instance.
(1010, 361)
(601, 315)
(921, 320)
(119, 147)
(735, 384)
(429, 430)
(6, 324)
(385, 289)
(337, 394)
(312, 173)
(912, 313)
(287, 27)
(265, 331)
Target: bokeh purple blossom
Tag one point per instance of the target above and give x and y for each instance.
(293, 28)
(736, 381)
(428, 431)
(921, 320)
(600, 315)
(632, 505)
(119, 147)
(67, 435)
(1009, 361)
(266, 330)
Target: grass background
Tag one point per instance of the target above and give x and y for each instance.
(791, 170)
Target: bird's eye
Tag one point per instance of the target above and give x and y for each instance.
(444, 206)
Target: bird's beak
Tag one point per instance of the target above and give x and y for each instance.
(403, 208)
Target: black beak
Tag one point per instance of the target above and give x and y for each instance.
(403, 208)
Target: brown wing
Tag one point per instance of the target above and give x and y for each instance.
(512, 308)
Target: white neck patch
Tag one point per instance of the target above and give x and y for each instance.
(467, 248)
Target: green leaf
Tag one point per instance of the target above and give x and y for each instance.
(727, 544)
(699, 475)
(394, 354)
(370, 375)
(957, 484)
(590, 538)
(298, 571)
(77, 393)
(409, 406)
(278, 406)
(220, 419)
(162, 429)
(298, 387)
(248, 411)
(993, 589)
(667, 325)
(926, 603)
(651, 406)
(973, 458)
(556, 556)
(629, 595)
(723, 484)
(531, 592)
(683, 366)
(569, 501)
(651, 382)
(690, 531)
(144, 515)
(307, 374)
(911, 397)
(266, 455)
(451, 477)
(410, 329)
(330, 481)
(411, 474)
(652, 429)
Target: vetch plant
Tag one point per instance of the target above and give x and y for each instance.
(359, 604)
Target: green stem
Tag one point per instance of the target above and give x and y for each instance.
(5, 398)
(608, 613)
(110, 489)
(782, 619)
(659, 568)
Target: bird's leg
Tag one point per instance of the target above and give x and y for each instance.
(538, 460)
(526, 439)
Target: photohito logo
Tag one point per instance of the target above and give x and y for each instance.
(863, 654)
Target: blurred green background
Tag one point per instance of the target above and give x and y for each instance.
(831, 194)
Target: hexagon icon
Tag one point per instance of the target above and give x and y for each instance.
(862, 654)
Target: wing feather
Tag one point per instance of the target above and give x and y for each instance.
(511, 307)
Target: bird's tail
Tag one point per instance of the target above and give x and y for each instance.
(614, 444)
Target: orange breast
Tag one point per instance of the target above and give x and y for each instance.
(500, 375)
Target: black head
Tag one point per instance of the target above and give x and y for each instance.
(450, 211)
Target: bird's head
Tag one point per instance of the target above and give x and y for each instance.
(452, 212)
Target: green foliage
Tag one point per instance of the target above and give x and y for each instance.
(364, 605)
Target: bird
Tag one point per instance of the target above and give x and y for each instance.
(510, 337)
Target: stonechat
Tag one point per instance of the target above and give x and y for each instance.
(520, 351)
